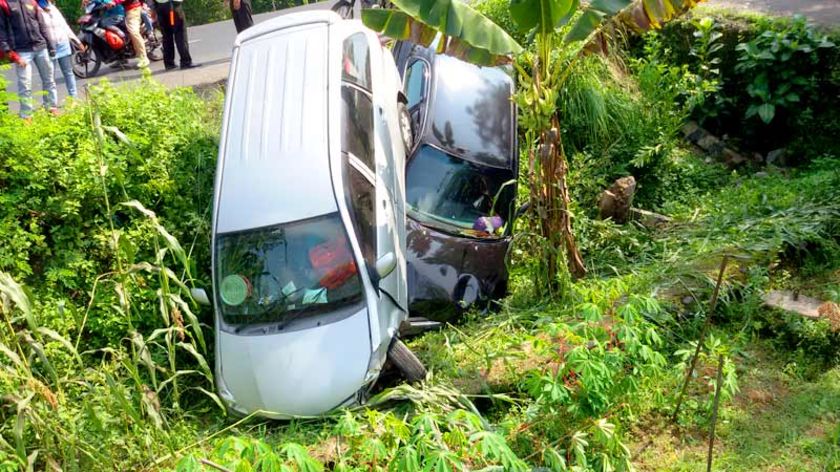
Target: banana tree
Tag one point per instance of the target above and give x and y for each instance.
(554, 60)
(467, 34)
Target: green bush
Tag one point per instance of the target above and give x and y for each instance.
(160, 150)
(625, 119)
(780, 67)
(104, 344)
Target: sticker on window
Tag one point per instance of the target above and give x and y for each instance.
(315, 296)
(235, 289)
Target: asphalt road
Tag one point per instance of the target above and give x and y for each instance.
(821, 12)
(210, 46)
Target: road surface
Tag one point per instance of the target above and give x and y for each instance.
(210, 46)
(822, 12)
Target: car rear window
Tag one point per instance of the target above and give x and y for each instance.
(472, 113)
(286, 272)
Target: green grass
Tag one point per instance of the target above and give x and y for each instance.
(778, 422)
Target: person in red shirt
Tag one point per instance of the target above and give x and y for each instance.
(133, 18)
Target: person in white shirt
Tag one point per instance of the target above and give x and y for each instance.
(62, 36)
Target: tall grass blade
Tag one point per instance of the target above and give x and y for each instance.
(202, 362)
(20, 424)
(61, 340)
(194, 323)
(12, 356)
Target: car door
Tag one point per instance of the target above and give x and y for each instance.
(369, 180)
(416, 90)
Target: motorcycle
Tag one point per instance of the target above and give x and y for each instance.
(110, 44)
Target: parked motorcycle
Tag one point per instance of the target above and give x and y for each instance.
(112, 44)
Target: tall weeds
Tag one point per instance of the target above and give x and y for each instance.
(68, 402)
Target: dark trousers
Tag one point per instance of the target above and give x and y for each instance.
(242, 18)
(173, 35)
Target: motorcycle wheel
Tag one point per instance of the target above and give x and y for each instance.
(153, 47)
(86, 64)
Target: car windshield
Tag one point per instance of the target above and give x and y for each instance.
(457, 195)
(283, 272)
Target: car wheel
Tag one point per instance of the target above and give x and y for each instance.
(406, 362)
(405, 126)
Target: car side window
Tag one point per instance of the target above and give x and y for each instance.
(415, 83)
(361, 200)
(357, 124)
(357, 143)
(355, 62)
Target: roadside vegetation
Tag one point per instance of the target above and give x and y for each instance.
(106, 362)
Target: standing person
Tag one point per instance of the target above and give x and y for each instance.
(25, 40)
(133, 14)
(62, 36)
(170, 16)
(241, 11)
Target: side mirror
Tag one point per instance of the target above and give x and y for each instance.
(385, 265)
(200, 296)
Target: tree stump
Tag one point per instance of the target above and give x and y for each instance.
(615, 202)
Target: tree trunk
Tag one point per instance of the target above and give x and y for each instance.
(562, 224)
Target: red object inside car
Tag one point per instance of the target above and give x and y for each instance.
(333, 261)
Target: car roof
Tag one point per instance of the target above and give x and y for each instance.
(274, 155)
(471, 114)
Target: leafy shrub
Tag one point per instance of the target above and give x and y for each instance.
(106, 340)
(619, 123)
(780, 64)
(769, 62)
(159, 149)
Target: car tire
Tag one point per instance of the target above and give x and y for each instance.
(405, 126)
(406, 362)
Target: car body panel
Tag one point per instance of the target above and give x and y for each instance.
(277, 152)
(448, 273)
(281, 160)
(299, 373)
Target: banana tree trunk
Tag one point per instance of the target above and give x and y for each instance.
(560, 215)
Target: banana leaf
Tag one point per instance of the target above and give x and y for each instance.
(638, 15)
(544, 15)
(465, 33)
